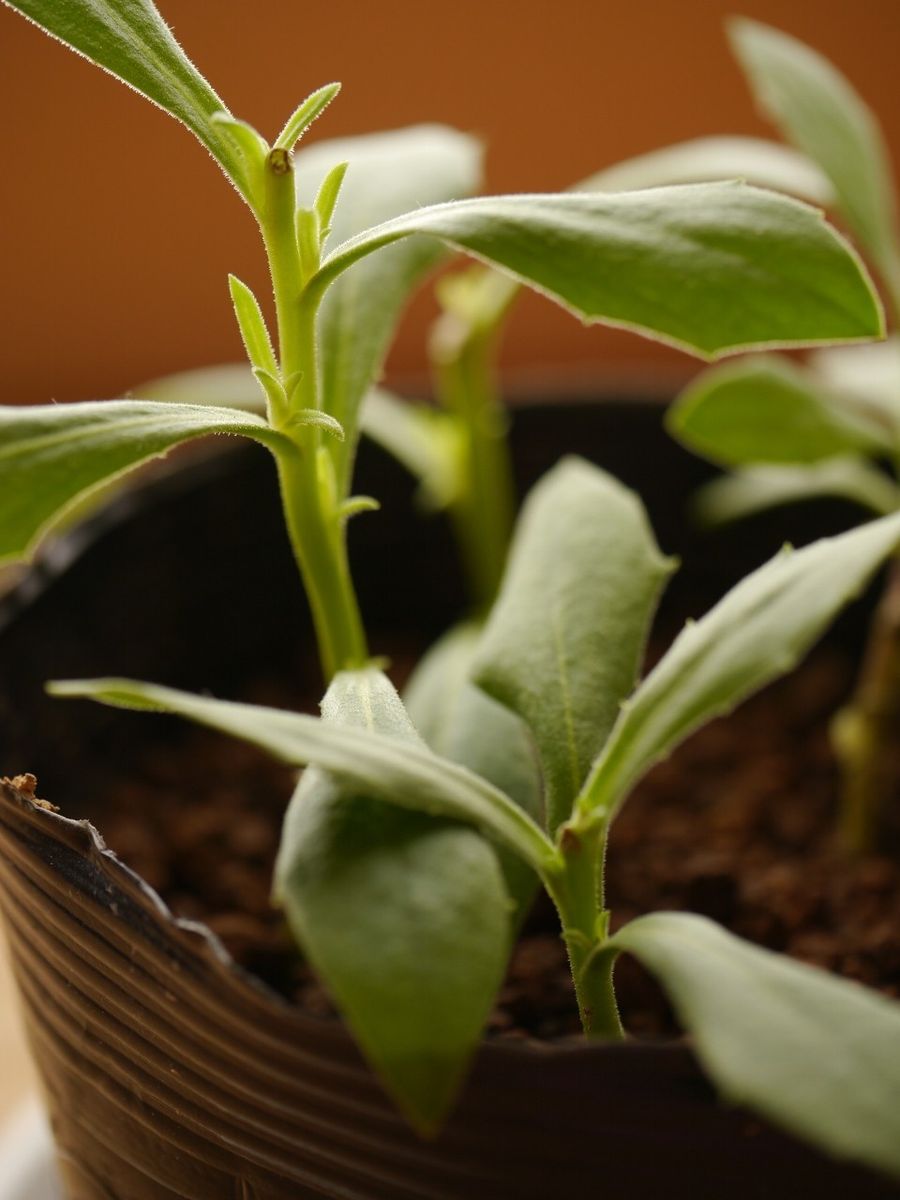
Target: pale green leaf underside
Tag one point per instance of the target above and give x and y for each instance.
(564, 642)
(869, 375)
(813, 1053)
(405, 918)
(823, 116)
(460, 722)
(755, 160)
(130, 39)
(388, 173)
(766, 409)
(407, 775)
(709, 267)
(754, 489)
(53, 456)
(758, 632)
(424, 440)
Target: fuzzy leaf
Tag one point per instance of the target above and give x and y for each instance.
(252, 325)
(710, 267)
(481, 298)
(460, 722)
(304, 115)
(564, 642)
(759, 631)
(405, 918)
(754, 489)
(755, 160)
(406, 774)
(821, 114)
(811, 1052)
(53, 456)
(767, 410)
(388, 173)
(130, 39)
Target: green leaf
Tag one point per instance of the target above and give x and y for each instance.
(252, 325)
(767, 410)
(407, 775)
(811, 1052)
(564, 642)
(710, 267)
(755, 160)
(422, 439)
(301, 119)
(131, 40)
(460, 722)
(388, 174)
(54, 456)
(867, 375)
(481, 298)
(405, 918)
(819, 111)
(759, 631)
(754, 489)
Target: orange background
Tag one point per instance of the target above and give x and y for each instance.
(118, 230)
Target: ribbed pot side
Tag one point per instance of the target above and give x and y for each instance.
(168, 1072)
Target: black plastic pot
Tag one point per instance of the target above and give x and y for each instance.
(170, 1073)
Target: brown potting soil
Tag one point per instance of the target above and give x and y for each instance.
(738, 825)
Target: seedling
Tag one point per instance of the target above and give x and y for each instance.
(829, 428)
(403, 873)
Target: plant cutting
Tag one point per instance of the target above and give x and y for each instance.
(402, 873)
(791, 432)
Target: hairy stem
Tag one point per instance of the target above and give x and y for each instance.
(309, 495)
(484, 510)
(865, 731)
(578, 895)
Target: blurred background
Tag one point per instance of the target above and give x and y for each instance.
(118, 231)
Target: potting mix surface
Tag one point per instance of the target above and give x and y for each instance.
(737, 825)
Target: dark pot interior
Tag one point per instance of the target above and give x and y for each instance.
(168, 1072)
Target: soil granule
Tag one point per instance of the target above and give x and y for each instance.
(737, 825)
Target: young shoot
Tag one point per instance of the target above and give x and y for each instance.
(403, 871)
(831, 427)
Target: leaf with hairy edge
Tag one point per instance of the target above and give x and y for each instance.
(130, 39)
(711, 267)
(405, 918)
(754, 489)
(759, 631)
(767, 164)
(460, 722)
(388, 173)
(767, 410)
(564, 642)
(811, 1052)
(481, 298)
(408, 775)
(821, 114)
(53, 456)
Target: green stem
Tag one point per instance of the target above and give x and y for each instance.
(865, 731)
(311, 504)
(578, 894)
(483, 512)
(320, 550)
